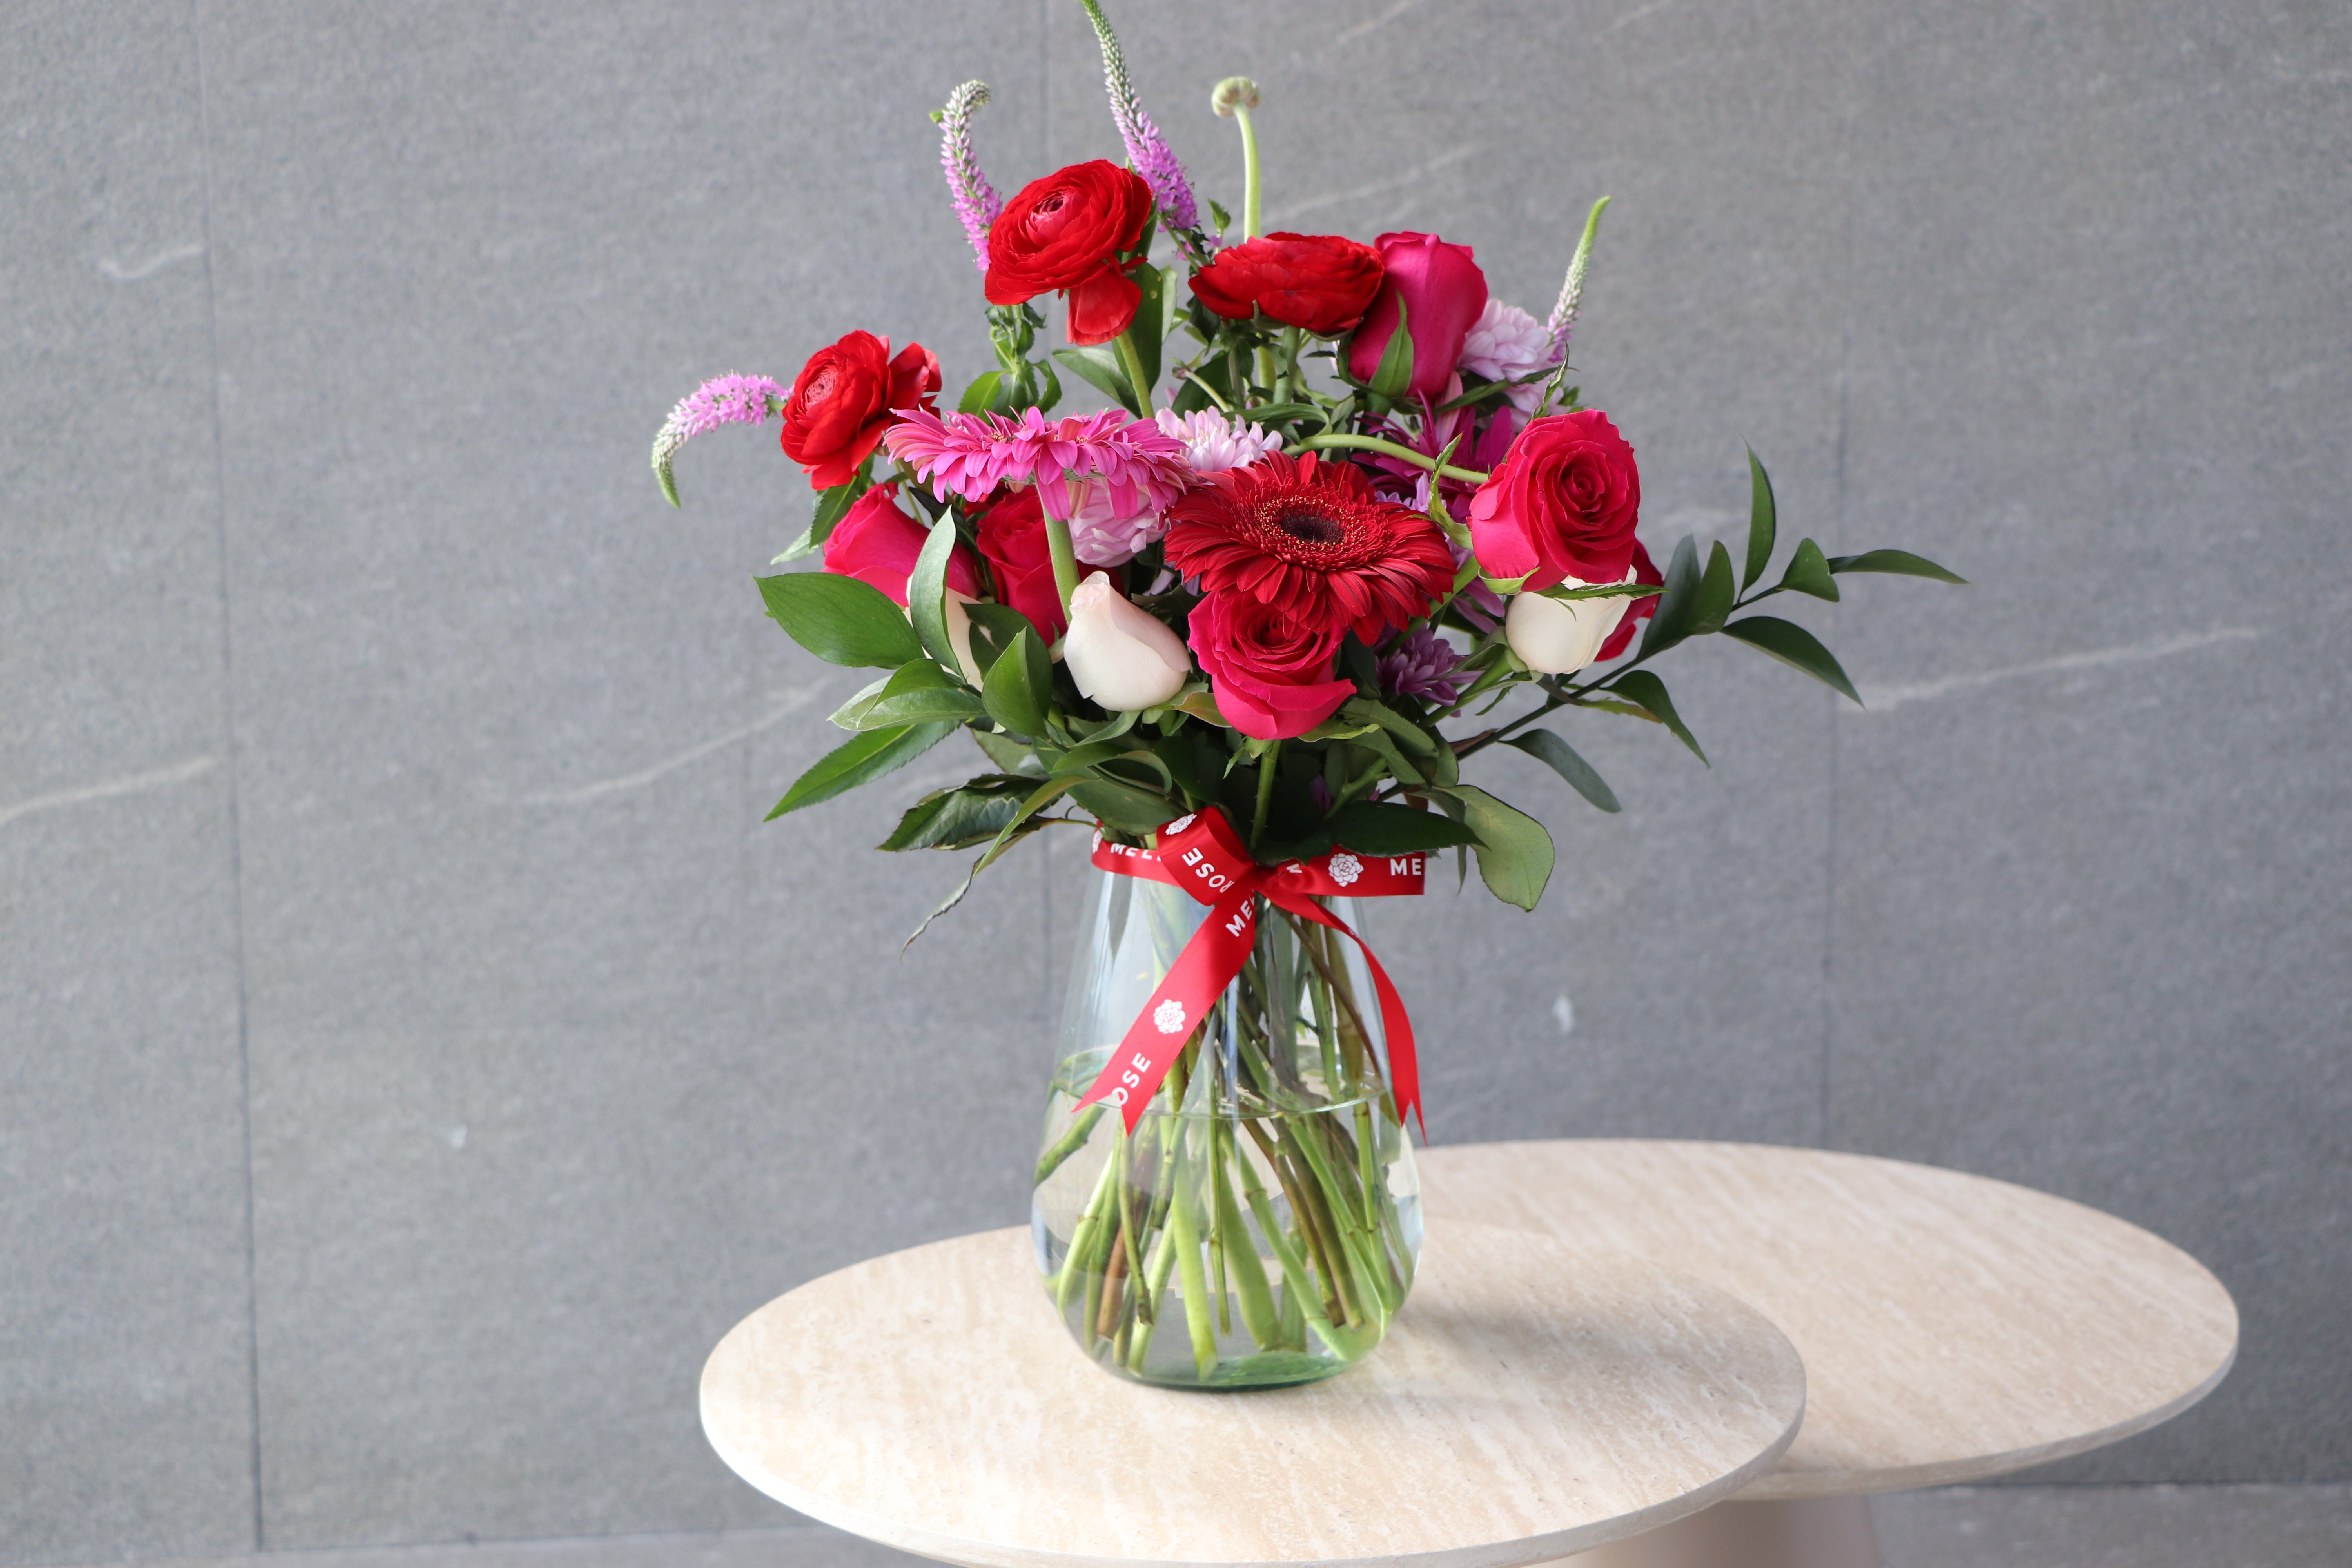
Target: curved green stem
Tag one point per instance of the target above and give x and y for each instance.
(1132, 359)
(1265, 766)
(1390, 448)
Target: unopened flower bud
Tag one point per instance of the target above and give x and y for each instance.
(1553, 637)
(1124, 658)
(1234, 92)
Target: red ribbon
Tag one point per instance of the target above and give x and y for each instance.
(1203, 856)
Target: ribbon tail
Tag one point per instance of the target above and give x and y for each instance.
(1173, 1014)
(1396, 1024)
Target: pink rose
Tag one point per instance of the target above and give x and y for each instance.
(1270, 675)
(1443, 294)
(1562, 503)
(877, 543)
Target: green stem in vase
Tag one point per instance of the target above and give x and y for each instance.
(1082, 1237)
(1082, 1127)
(1185, 1239)
(1218, 1286)
(1297, 1287)
(1258, 1315)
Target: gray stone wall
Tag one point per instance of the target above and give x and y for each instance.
(414, 1052)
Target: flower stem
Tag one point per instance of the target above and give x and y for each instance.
(1065, 560)
(1390, 448)
(1132, 359)
(1251, 224)
(1266, 768)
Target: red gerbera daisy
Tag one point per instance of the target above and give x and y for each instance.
(1311, 539)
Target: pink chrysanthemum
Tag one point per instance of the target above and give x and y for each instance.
(1128, 463)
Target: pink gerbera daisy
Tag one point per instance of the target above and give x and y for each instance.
(1130, 463)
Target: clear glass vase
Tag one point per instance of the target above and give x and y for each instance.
(1261, 1225)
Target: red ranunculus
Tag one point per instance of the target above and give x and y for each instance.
(1563, 504)
(1640, 610)
(877, 543)
(1270, 675)
(841, 400)
(1321, 282)
(1065, 231)
(1442, 292)
(1011, 538)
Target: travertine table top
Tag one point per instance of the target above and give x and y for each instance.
(1953, 1327)
(1530, 1402)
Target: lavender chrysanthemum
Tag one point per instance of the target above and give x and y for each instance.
(976, 201)
(1423, 664)
(1508, 344)
(724, 400)
(1127, 461)
(1147, 148)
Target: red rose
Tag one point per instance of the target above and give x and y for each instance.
(1442, 293)
(1563, 504)
(1318, 281)
(1011, 538)
(1640, 610)
(841, 400)
(1065, 231)
(1270, 675)
(877, 543)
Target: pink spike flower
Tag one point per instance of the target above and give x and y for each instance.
(1129, 464)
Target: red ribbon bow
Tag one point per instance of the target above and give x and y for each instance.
(1203, 856)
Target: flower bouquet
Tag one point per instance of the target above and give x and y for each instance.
(1342, 526)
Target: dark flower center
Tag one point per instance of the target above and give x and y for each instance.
(1312, 527)
(820, 386)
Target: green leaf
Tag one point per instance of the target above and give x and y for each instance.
(993, 626)
(1395, 373)
(957, 818)
(840, 619)
(1762, 520)
(1100, 369)
(934, 705)
(1808, 573)
(832, 506)
(1716, 593)
(980, 394)
(915, 675)
(1374, 828)
(1010, 755)
(1900, 562)
(1515, 853)
(1365, 710)
(1793, 645)
(1671, 623)
(1561, 758)
(862, 760)
(1275, 413)
(927, 594)
(1646, 691)
(1224, 219)
(1020, 685)
(1124, 807)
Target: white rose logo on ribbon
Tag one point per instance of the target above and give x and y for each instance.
(1346, 868)
(1169, 1016)
(1179, 825)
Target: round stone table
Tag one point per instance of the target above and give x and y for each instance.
(1530, 1402)
(1952, 1327)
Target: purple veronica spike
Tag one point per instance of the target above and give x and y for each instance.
(1147, 148)
(976, 201)
(725, 400)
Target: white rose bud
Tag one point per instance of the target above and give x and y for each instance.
(1123, 657)
(1554, 637)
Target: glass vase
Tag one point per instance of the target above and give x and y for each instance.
(1260, 1224)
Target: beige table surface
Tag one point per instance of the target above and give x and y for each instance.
(1530, 1402)
(1952, 1327)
